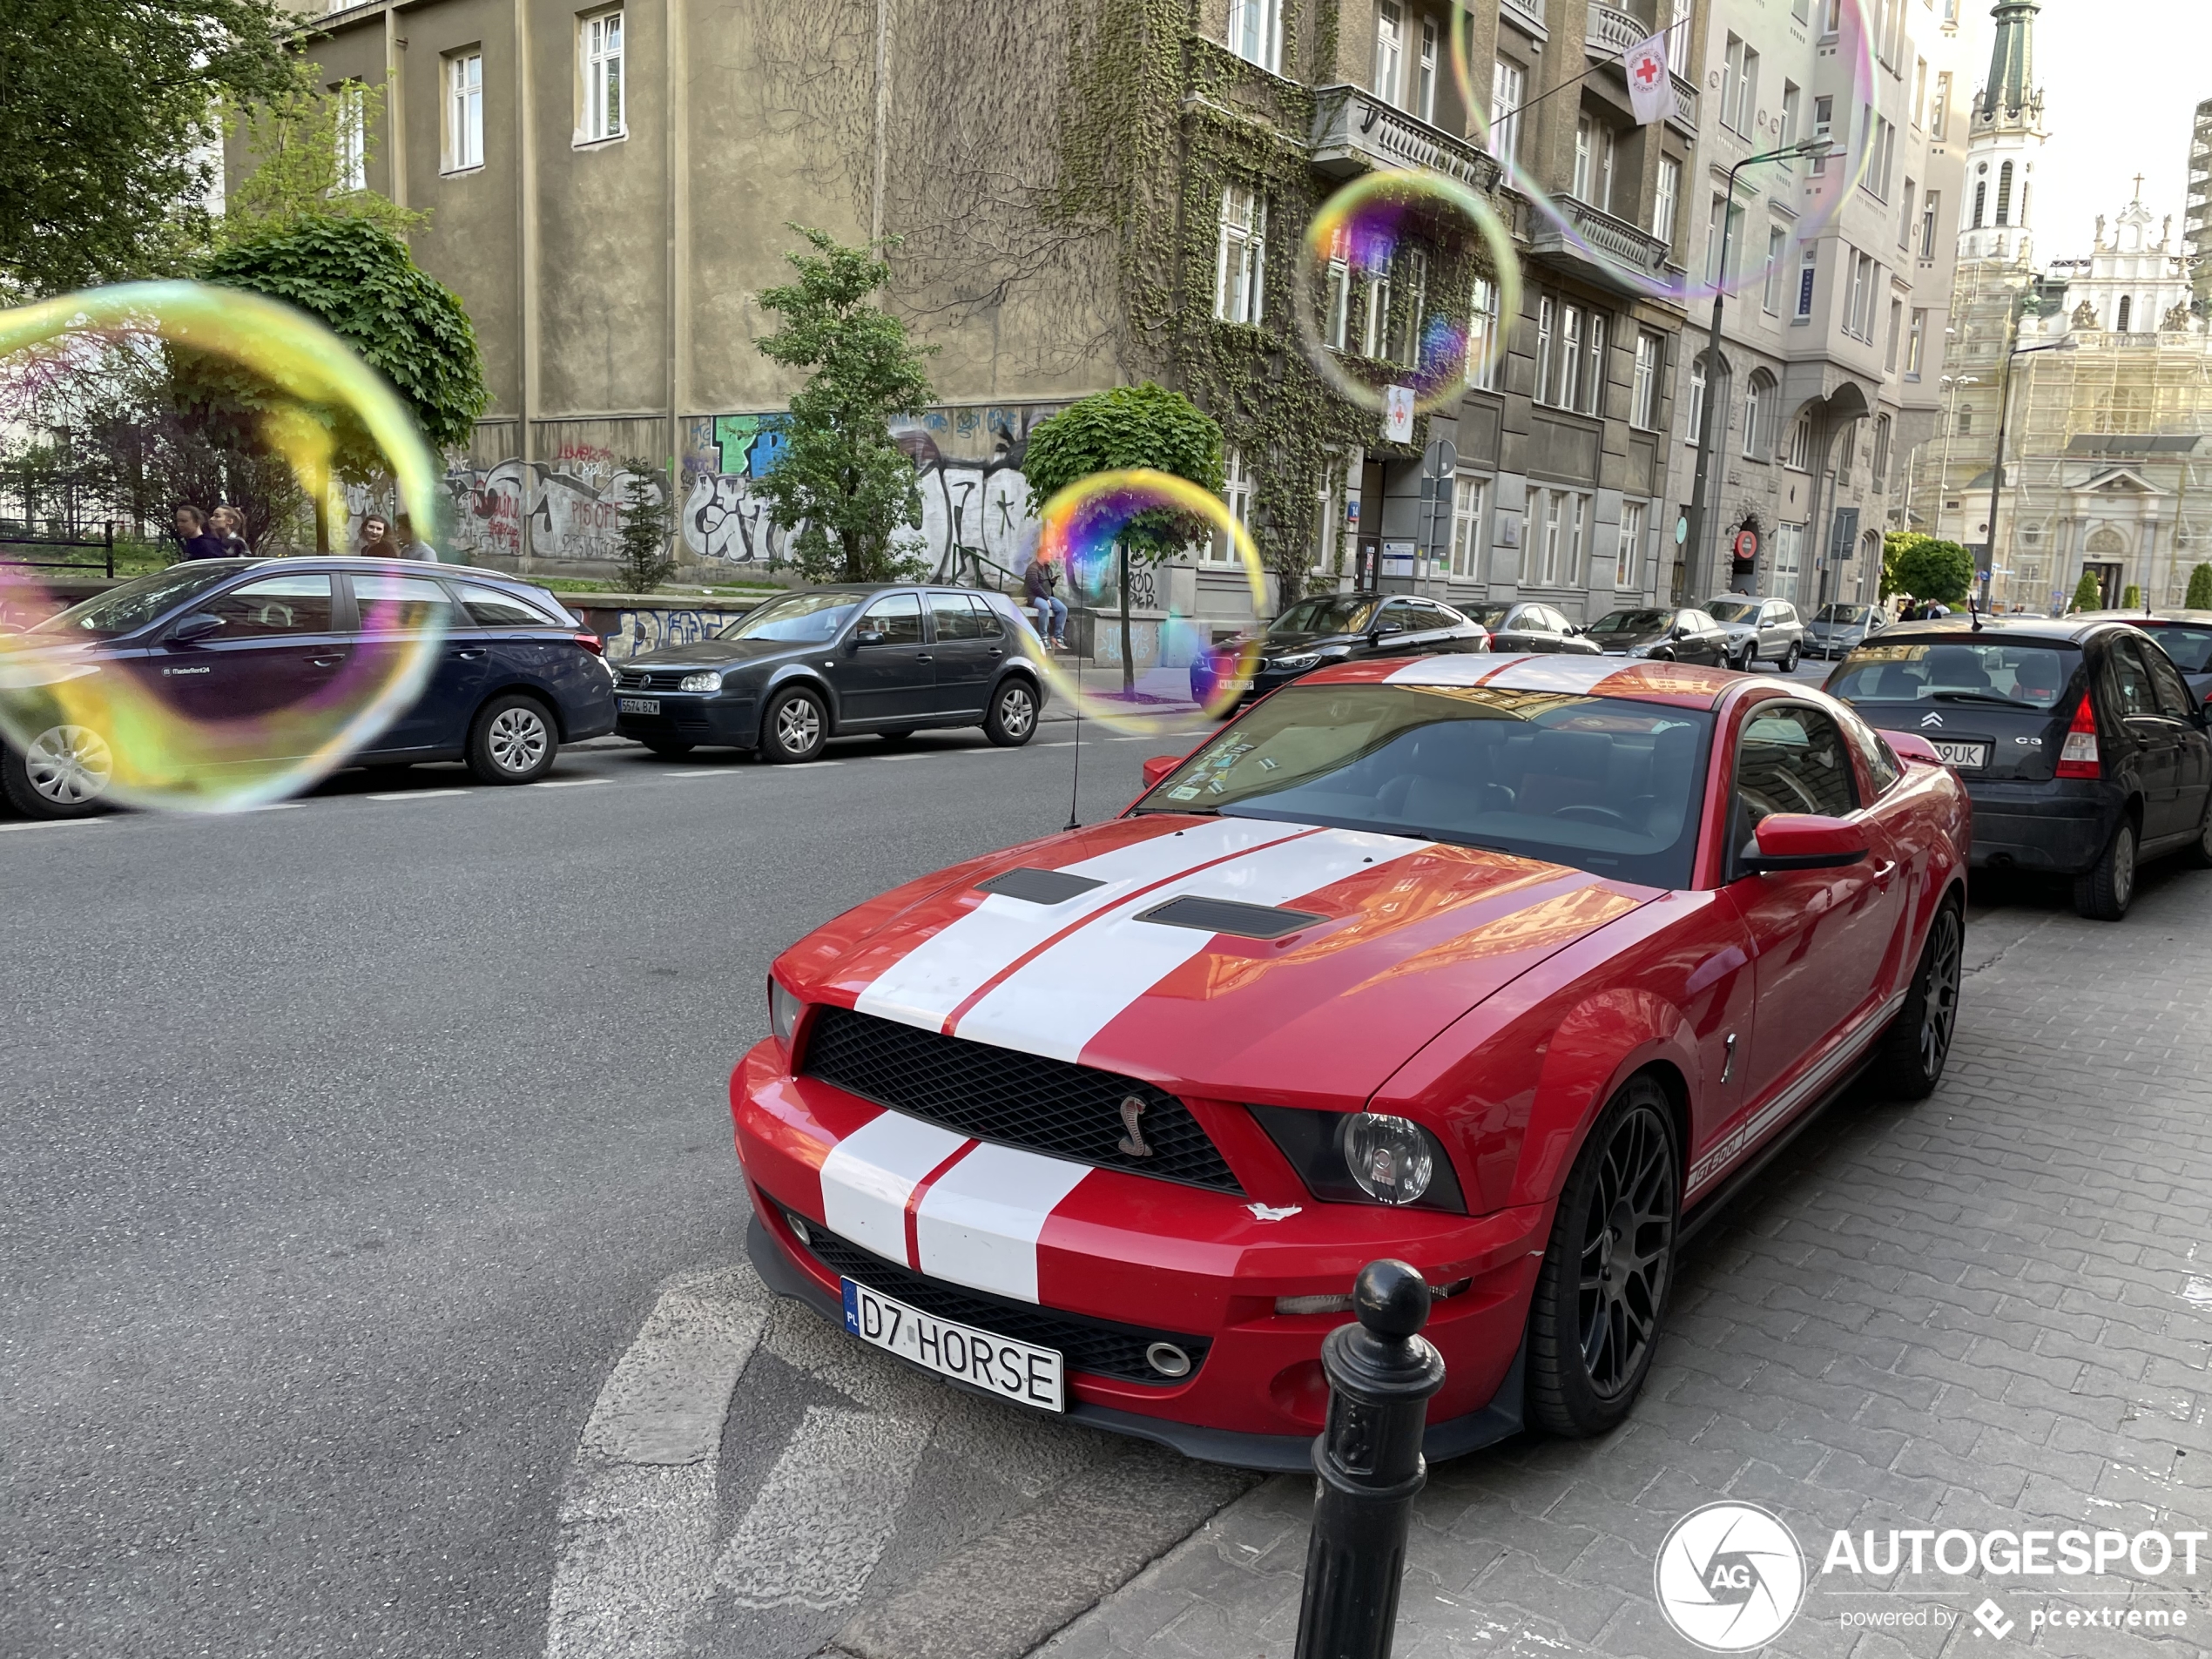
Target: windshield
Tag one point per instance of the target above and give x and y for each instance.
(2190, 647)
(1732, 609)
(2031, 675)
(131, 607)
(1601, 784)
(1631, 622)
(803, 618)
(1490, 616)
(1842, 613)
(1325, 614)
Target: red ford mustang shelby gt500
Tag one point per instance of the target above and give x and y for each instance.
(1512, 969)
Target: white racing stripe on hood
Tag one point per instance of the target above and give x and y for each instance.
(979, 1223)
(868, 1176)
(1056, 1004)
(924, 986)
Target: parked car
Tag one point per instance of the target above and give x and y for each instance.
(228, 639)
(1759, 631)
(1838, 629)
(2184, 636)
(1531, 627)
(819, 663)
(2078, 740)
(1511, 969)
(1327, 628)
(1668, 635)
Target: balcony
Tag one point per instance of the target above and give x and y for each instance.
(1610, 32)
(1528, 14)
(1626, 248)
(1355, 131)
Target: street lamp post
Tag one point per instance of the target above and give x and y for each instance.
(1701, 492)
(1997, 473)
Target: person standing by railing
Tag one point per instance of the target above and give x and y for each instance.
(1052, 612)
(191, 531)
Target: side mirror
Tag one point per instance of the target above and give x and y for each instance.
(867, 636)
(1157, 767)
(197, 626)
(1911, 745)
(1382, 629)
(1804, 841)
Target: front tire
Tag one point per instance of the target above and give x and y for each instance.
(2200, 854)
(1608, 1269)
(1012, 719)
(1790, 660)
(1909, 1063)
(795, 728)
(2104, 893)
(512, 742)
(65, 772)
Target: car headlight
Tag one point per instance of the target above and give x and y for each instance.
(709, 681)
(1303, 659)
(1388, 1157)
(784, 1009)
(1364, 1157)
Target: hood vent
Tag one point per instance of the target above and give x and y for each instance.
(1038, 887)
(1226, 916)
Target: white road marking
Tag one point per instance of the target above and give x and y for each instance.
(276, 806)
(569, 783)
(414, 794)
(686, 777)
(50, 823)
(821, 1519)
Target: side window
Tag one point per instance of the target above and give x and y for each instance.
(492, 608)
(398, 604)
(1426, 618)
(2167, 685)
(1549, 620)
(2129, 680)
(955, 617)
(1397, 614)
(1790, 759)
(989, 624)
(896, 616)
(275, 605)
(1881, 765)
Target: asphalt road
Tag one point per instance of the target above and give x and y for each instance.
(349, 1145)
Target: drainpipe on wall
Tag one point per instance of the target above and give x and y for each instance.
(526, 306)
(679, 242)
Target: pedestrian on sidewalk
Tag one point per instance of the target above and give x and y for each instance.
(227, 525)
(1052, 613)
(192, 530)
(412, 546)
(376, 538)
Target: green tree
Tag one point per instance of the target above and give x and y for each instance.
(294, 141)
(2089, 593)
(840, 482)
(2200, 593)
(1130, 426)
(1926, 567)
(647, 508)
(109, 109)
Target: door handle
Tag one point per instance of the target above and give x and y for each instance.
(324, 661)
(922, 657)
(997, 652)
(470, 654)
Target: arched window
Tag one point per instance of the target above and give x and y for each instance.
(2005, 194)
(1981, 199)
(2126, 304)
(1758, 415)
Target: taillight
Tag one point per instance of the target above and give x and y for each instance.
(593, 643)
(2079, 758)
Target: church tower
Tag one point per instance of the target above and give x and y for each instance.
(2005, 138)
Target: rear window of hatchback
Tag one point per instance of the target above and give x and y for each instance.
(2029, 673)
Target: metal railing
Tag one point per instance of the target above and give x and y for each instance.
(1621, 242)
(1531, 12)
(1353, 129)
(1611, 32)
(105, 546)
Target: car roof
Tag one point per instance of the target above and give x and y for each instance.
(1682, 685)
(355, 562)
(2070, 630)
(2148, 619)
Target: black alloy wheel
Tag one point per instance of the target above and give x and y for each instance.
(1607, 1269)
(1012, 719)
(795, 728)
(1909, 1063)
(1789, 659)
(2200, 854)
(2105, 891)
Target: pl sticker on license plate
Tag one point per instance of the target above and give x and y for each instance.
(638, 705)
(1967, 756)
(1015, 1371)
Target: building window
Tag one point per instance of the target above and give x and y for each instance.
(1965, 422)
(1939, 112)
(1337, 298)
(1508, 82)
(1237, 495)
(1547, 326)
(464, 111)
(1897, 333)
(1560, 520)
(1777, 269)
(1789, 561)
(1469, 503)
(1643, 408)
(1920, 92)
(2126, 307)
(1916, 344)
(1858, 310)
(1328, 517)
(1406, 327)
(1570, 356)
(1740, 87)
(1847, 452)
(1663, 206)
(1881, 452)
(604, 115)
(1881, 138)
(1240, 264)
(1628, 554)
(1808, 274)
(1594, 163)
(1482, 336)
(1424, 72)
(2005, 194)
(1390, 51)
(1905, 223)
(1678, 38)
(1928, 206)
(1696, 400)
(1981, 201)
(1800, 455)
(1792, 107)
(1824, 126)
(351, 136)
(1256, 31)
(1755, 404)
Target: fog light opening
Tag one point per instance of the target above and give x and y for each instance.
(1331, 1304)
(1168, 1360)
(798, 1229)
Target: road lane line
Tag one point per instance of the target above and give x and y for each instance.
(51, 823)
(413, 794)
(568, 783)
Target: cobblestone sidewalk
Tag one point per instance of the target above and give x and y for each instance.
(1992, 1311)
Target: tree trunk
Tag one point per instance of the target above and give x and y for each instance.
(1128, 667)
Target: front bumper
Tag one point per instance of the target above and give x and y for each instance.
(690, 718)
(2060, 826)
(1146, 1254)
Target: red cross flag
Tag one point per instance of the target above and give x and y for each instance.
(1651, 90)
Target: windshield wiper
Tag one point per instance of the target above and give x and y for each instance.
(1983, 696)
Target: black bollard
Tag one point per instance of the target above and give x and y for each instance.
(1381, 1373)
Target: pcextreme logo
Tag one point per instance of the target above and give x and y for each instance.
(1729, 1577)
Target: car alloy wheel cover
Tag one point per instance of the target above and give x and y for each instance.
(798, 723)
(517, 739)
(1939, 991)
(69, 764)
(1626, 1250)
(1017, 709)
(2124, 864)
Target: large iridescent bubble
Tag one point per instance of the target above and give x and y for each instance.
(1371, 312)
(1814, 197)
(146, 696)
(1086, 530)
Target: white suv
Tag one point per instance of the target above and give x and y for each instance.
(1759, 631)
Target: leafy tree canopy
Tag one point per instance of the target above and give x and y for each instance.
(1130, 426)
(293, 139)
(1926, 567)
(108, 115)
(360, 280)
(841, 481)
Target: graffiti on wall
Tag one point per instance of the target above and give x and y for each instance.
(637, 632)
(574, 504)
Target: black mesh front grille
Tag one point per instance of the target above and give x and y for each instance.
(1089, 1344)
(993, 1094)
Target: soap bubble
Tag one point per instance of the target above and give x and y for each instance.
(185, 689)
